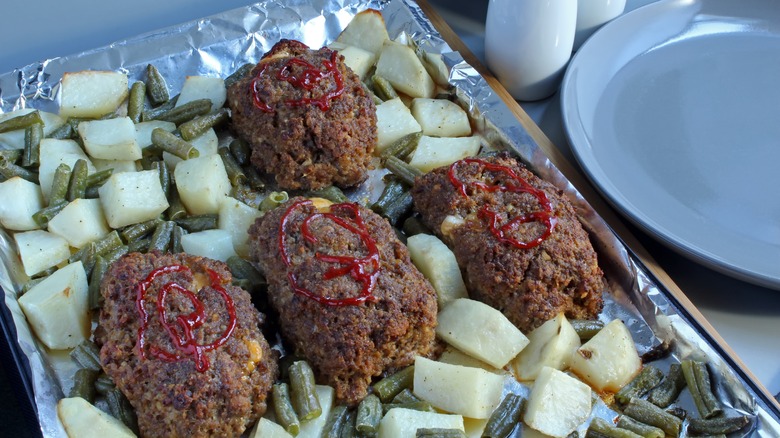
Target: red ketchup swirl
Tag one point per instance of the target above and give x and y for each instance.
(514, 184)
(364, 270)
(304, 75)
(181, 328)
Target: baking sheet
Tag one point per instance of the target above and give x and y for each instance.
(219, 44)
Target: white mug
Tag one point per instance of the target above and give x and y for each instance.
(592, 14)
(528, 44)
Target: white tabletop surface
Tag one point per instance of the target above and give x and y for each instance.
(746, 316)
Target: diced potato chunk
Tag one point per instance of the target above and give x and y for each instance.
(53, 153)
(474, 427)
(551, 344)
(206, 144)
(313, 428)
(83, 420)
(235, 217)
(132, 197)
(608, 360)
(202, 183)
(40, 250)
(403, 69)
(57, 307)
(393, 121)
(367, 30)
(481, 331)
(471, 392)
(437, 263)
(433, 152)
(110, 139)
(203, 87)
(441, 117)
(403, 423)
(266, 428)
(21, 199)
(453, 356)
(215, 244)
(357, 59)
(80, 222)
(558, 403)
(92, 93)
(15, 139)
(143, 131)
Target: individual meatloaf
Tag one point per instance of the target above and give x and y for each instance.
(306, 116)
(496, 215)
(184, 345)
(348, 297)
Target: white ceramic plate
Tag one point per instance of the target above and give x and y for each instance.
(673, 111)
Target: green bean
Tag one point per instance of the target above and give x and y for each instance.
(64, 132)
(438, 432)
(198, 223)
(156, 88)
(139, 245)
(651, 414)
(273, 200)
(234, 171)
(96, 277)
(44, 215)
(643, 382)
(194, 128)
(390, 386)
(20, 122)
(173, 144)
(161, 238)
(32, 144)
(348, 430)
(405, 396)
(135, 103)
(98, 178)
(285, 413)
(30, 284)
(600, 428)
(87, 355)
(670, 388)
(304, 391)
(413, 225)
(716, 426)
(120, 408)
(59, 184)
(176, 235)
(104, 384)
(116, 253)
(176, 208)
(382, 88)
(698, 380)
(154, 113)
(165, 176)
(393, 190)
(369, 414)
(335, 424)
(586, 328)
(331, 193)
(505, 417)
(77, 186)
(240, 150)
(639, 428)
(186, 112)
(403, 147)
(402, 170)
(137, 231)
(394, 208)
(88, 252)
(84, 384)
(10, 155)
(254, 178)
(9, 170)
(421, 405)
(243, 269)
(239, 74)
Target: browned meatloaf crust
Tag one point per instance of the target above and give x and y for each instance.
(346, 345)
(303, 145)
(531, 285)
(173, 398)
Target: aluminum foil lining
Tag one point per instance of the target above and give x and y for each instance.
(219, 44)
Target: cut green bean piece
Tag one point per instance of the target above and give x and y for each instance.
(120, 408)
(9, 170)
(198, 223)
(173, 144)
(402, 170)
(369, 414)
(240, 150)
(304, 391)
(10, 155)
(398, 209)
(59, 184)
(717, 426)
(87, 355)
(165, 176)
(403, 147)
(331, 193)
(505, 417)
(697, 378)
(186, 112)
(639, 428)
(600, 428)
(196, 127)
(285, 413)
(140, 245)
(422, 406)
(176, 210)
(393, 190)
(234, 171)
(586, 328)
(96, 276)
(104, 384)
(32, 144)
(437, 432)
(335, 424)
(646, 380)
(273, 200)
(178, 232)
(77, 187)
(349, 430)
(382, 88)
(154, 113)
(161, 238)
(98, 178)
(243, 269)
(29, 284)
(64, 132)
(116, 253)
(405, 396)
(44, 215)
(670, 388)
(84, 384)
(156, 88)
(20, 122)
(139, 230)
(254, 178)
(651, 414)
(135, 103)
(390, 386)
(239, 74)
